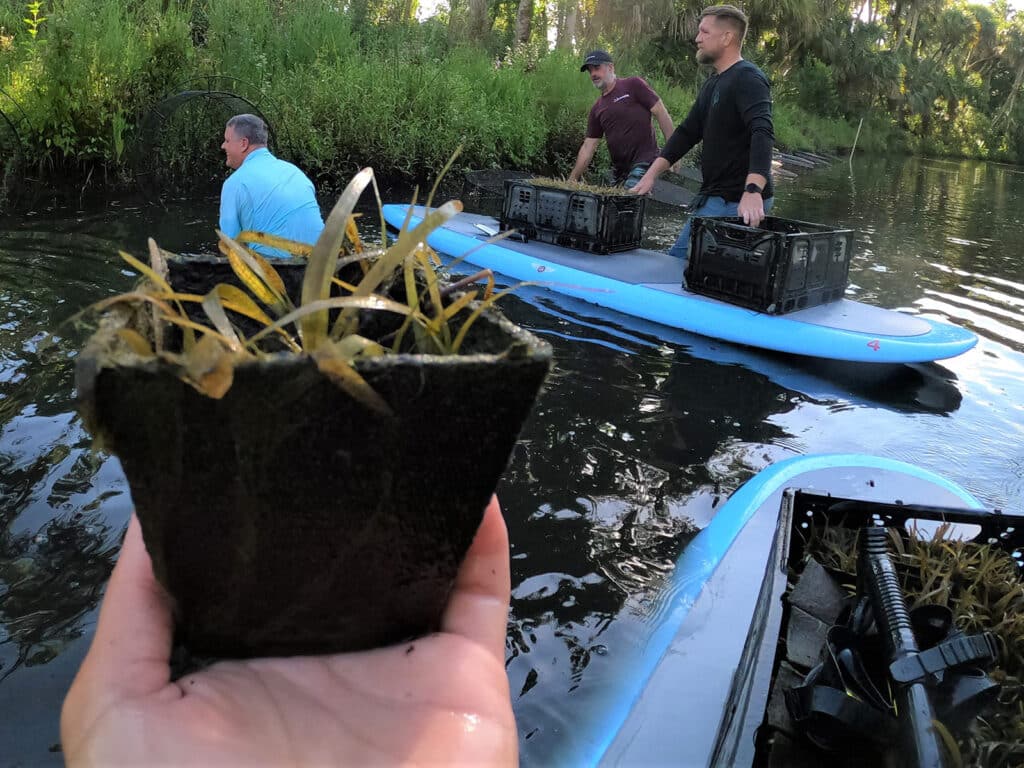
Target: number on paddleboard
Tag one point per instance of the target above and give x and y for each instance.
(874, 344)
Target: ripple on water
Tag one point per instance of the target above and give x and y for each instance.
(640, 435)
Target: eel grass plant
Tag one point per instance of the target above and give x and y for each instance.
(209, 353)
(983, 587)
(579, 186)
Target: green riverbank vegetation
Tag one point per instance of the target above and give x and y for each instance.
(349, 83)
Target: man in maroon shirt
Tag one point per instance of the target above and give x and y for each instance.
(622, 116)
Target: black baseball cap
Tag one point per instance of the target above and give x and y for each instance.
(596, 57)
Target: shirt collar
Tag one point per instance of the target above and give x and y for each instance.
(255, 152)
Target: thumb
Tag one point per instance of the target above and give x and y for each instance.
(131, 650)
(478, 606)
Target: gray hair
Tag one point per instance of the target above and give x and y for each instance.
(249, 127)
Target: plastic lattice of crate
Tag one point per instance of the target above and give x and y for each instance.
(782, 266)
(575, 219)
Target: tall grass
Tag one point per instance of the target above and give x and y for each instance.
(398, 98)
(82, 80)
(796, 128)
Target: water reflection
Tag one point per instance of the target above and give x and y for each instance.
(641, 432)
(599, 497)
(62, 507)
(49, 581)
(928, 387)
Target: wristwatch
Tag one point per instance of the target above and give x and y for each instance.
(753, 188)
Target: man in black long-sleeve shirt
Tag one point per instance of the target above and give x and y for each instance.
(733, 117)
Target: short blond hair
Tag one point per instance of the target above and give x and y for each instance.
(731, 14)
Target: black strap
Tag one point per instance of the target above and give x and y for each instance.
(831, 717)
(956, 652)
(844, 667)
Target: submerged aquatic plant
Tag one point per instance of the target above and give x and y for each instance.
(433, 320)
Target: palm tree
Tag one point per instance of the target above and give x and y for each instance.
(1012, 58)
(952, 32)
(983, 50)
(797, 19)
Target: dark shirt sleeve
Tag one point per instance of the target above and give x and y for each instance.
(685, 136)
(754, 101)
(594, 129)
(644, 94)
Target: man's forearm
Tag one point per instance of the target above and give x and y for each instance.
(582, 162)
(646, 183)
(578, 170)
(658, 167)
(666, 126)
(762, 143)
(664, 119)
(679, 143)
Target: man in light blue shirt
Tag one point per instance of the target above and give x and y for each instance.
(265, 194)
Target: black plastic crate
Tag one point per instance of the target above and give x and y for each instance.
(779, 267)
(574, 219)
(483, 191)
(803, 514)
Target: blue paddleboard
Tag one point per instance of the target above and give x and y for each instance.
(647, 284)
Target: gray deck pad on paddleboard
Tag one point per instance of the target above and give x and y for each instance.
(659, 271)
(636, 267)
(842, 315)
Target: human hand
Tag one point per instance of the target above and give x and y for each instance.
(644, 186)
(751, 209)
(441, 699)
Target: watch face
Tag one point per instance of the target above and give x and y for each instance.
(753, 188)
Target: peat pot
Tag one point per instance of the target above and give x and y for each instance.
(288, 517)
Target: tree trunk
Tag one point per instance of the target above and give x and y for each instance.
(524, 20)
(477, 26)
(359, 12)
(912, 34)
(897, 24)
(598, 22)
(566, 25)
(571, 17)
(453, 26)
(543, 23)
(1005, 113)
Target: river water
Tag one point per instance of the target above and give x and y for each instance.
(639, 435)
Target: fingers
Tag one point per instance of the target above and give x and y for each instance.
(751, 216)
(478, 607)
(132, 646)
(131, 649)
